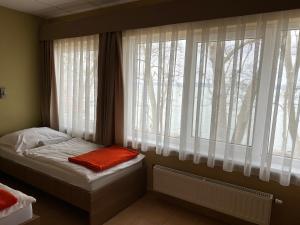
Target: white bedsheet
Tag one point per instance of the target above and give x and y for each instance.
(49, 167)
(58, 155)
(23, 201)
(18, 217)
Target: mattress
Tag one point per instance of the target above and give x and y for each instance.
(98, 179)
(22, 215)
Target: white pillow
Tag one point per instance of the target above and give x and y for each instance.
(31, 138)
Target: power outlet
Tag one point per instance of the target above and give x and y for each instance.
(2, 92)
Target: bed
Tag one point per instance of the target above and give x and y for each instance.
(21, 212)
(100, 195)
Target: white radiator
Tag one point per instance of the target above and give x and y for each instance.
(246, 204)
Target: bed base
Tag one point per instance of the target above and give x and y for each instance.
(101, 204)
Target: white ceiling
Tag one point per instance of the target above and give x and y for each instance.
(55, 8)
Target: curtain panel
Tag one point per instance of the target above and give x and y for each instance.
(221, 92)
(109, 128)
(49, 93)
(76, 70)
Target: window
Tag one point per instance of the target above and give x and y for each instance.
(76, 66)
(218, 91)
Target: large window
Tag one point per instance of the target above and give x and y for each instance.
(76, 66)
(224, 91)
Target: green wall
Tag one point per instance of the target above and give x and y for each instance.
(19, 70)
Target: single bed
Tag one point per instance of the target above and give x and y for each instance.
(49, 159)
(20, 213)
(101, 195)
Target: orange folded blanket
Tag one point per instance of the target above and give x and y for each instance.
(6, 199)
(104, 158)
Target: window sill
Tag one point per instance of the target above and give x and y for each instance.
(237, 166)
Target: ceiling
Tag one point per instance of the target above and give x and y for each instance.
(55, 8)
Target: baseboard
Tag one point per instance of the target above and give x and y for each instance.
(201, 210)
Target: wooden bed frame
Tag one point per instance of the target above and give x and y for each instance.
(101, 204)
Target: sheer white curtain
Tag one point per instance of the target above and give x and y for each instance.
(76, 68)
(222, 92)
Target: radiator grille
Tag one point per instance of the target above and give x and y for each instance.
(246, 204)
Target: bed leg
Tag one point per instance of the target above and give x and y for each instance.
(93, 220)
(113, 199)
(97, 219)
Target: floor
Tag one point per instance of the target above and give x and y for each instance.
(149, 210)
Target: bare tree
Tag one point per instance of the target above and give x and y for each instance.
(289, 106)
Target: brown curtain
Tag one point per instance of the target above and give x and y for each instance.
(49, 94)
(110, 105)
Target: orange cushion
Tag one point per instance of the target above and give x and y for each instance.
(104, 158)
(6, 199)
